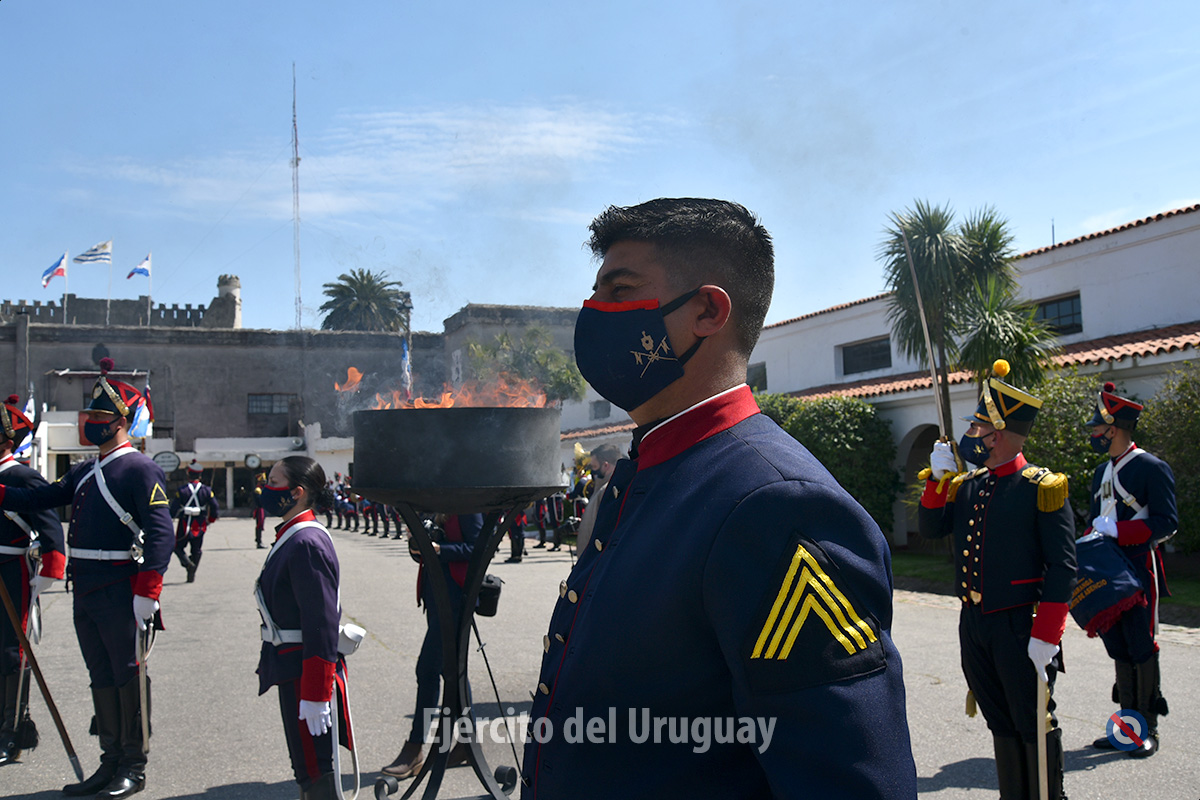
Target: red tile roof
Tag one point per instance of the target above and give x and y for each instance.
(602, 430)
(1136, 344)
(1134, 224)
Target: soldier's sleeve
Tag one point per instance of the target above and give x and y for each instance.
(470, 525)
(797, 588)
(151, 510)
(40, 498)
(1056, 531)
(50, 533)
(1160, 499)
(214, 508)
(935, 516)
(314, 579)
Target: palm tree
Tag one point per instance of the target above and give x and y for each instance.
(999, 325)
(937, 259)
(366, 301)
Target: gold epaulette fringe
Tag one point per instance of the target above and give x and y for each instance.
(1052, 491)
(972, 708)
(956, 481)
(924, 474)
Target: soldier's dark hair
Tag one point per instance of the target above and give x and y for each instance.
(607, 452)
(701, 241)
(307, 473)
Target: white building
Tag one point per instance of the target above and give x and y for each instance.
(1126, 303)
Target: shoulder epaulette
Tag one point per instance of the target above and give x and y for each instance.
(1052, 487)
(957, 481)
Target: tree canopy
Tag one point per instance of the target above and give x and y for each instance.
(533, 356)
(361, 300)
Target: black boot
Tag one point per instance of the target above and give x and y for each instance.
(1010, 766)
(1150, 703)
(107, 726)
(23, 735)
(1124, 695)
(1054, 766)
(323, 788)
(131, 773)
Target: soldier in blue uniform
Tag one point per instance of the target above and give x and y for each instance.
(1133, 502)
(120, 546)
(195, 508)
(726, 634)
(31, 559)
(297, 596)
(1014, 549)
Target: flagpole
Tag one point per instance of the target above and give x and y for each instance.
(66, 289)
(149, 292)
(108, 302)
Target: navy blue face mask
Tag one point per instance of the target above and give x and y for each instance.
(972, 449)
(99, 433)
(1101, 443)
(276, 502)
(623, 352)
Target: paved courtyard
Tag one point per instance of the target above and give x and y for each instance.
(214, 738)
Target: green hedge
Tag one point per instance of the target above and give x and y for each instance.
(850, 439)
(1170, 428)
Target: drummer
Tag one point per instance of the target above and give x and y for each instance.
(1133, 502)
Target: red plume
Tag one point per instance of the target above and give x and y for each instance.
(1110, 387)
(12, 400)
(106, 365)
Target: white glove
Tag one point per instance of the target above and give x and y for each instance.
(39, 584)
(1040, 654)
(941, 460)
(316, 715)
(1105, 525)
(143, 609)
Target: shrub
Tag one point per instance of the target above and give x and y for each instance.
(1170, 428)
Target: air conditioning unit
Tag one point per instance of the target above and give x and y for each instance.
(297, 443)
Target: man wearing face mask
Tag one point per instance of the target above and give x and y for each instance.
(730, 582)
(1014, 549)
(121, 540)
(32, 558)
(1133, 502)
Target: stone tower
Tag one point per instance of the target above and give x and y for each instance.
(230, 286)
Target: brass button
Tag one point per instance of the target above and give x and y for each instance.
(559, 636)
(964, 584)
(572, 596)
(964, 569)
(971, 523)
(966, 553)
(544, 689)
(599, 545)
(562, 589)
(546, 643)
(968, 538)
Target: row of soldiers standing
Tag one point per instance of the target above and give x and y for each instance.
(1016, 564)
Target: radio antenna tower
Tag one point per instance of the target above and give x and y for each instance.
(296, 195)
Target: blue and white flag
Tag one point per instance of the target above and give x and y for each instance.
(142, 426)
(405, 370)
(100, 254)
(142, 268)
(25, 448)
(57, 268)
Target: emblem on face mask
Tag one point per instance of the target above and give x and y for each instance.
(650, 354)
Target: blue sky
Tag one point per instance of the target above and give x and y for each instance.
(464, 147)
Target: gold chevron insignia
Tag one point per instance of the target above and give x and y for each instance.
(811, 592)
(158, 497)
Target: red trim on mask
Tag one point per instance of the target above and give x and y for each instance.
(632, 305)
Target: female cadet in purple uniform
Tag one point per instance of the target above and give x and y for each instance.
(297, 595)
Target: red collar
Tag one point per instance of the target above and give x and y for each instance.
(306, 515)
(696, 424)
(1121, 457)
(1009, 467)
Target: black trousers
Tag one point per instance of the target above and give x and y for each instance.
(995, 662)
(312, 756)
(15, 575)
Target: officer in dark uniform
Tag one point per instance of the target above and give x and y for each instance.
(120, 546)
(27, 541)
(195, 508)
(1014, 548)
(1133, 502)
(260, 515)
(727, 631)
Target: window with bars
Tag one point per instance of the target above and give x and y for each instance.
(1064, 314)
(756, 376)
(269, 403)
(866, 356)
(600, 409)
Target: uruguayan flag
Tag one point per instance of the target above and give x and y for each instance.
(57, 268)
(25, 449)
(142, 426)
(141, 269)
(100, 254)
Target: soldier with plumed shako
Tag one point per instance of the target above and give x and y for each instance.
(195, 508)
(120, 540)
(31, 559)
(1133, 502)
(1014, 555)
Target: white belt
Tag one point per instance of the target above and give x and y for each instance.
(100, 555)
(281, 636)
(5, 550)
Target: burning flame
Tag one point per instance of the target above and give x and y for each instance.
(507, 391)
(354, 377)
